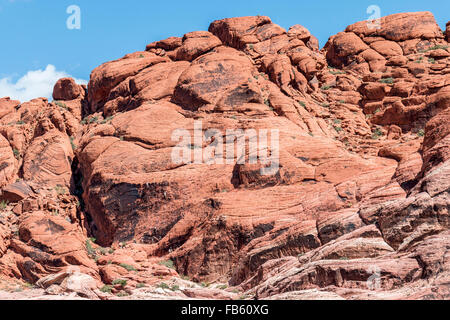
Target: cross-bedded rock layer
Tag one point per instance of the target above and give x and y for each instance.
(357, 210)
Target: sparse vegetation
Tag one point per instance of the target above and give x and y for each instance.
(28, 285)
(3, 205)
(127, 267)
(120, 282)
(90, 250)
(93, 120)
(103, 251)
(389, 80)
(431, 60)
(437, 47)
(222, 287)
(140, 285)
(61, 105)
(338, 129)
(60, 190)
(175, 288)
(163, 285)
(302, 104)
(421, 133)
(107, 120)
(89, 120)
(377, 134)
(106, 289)
(326, 87)
(168, 263)
(336, 72)
(16, 153)
(74, 147)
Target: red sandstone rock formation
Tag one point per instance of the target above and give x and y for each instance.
(358, 208)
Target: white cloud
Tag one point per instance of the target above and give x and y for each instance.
(34, 84)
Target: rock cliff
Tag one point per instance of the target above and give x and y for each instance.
(357, 209)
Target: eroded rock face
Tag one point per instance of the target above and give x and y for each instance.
(48, 160)
(220, 78)
(106, 77)
(447, 32)
(7, 162)
(357, 209)
(49, 242)
(7, 106)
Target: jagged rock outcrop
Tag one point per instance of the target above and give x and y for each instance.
(357, 207)
(447, 32)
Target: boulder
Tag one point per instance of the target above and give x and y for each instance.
(66, 89)
(15, 192)
(401, 27)
(342, 47)
(238, 32)
(196, 44)
(50, 241)
(106, 77)
(220, 77)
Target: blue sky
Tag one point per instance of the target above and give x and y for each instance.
(34, 33)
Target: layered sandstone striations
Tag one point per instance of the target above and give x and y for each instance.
(358, 208)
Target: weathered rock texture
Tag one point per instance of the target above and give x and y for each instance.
(358, 209)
